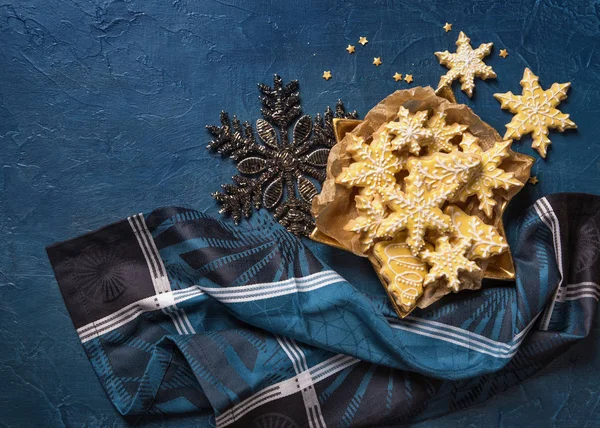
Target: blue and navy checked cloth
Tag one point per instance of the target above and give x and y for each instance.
(180, 312)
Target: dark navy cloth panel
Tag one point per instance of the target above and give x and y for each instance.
(248, 328)
(101, 273)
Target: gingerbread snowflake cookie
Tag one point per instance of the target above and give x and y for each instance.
(448, 261)
(488, 176)
(374, 166)
(442, 134)
(418, 208)
(535, 111)
(465, 64)
(484, 240)
(371, 214)
(409, 130)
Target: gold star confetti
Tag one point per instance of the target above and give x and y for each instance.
(327, 75)
(408, 78)
(503, 53)
(465, 64)
(397, 77)
(535, 111)
(350, 49)
(533, 180)
(363, 41)
(447, 27)
(377, 61)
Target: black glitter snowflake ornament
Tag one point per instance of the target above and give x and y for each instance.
(276, 173)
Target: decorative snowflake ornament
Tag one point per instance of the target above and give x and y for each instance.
(277, 173)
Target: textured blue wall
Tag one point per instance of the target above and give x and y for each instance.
(102, 113)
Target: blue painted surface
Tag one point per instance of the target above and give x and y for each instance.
(102, 113)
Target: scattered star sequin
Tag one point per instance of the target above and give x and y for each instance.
(350, 49)
(503, 53)
(447, 27)
(327, 75)
(397, 77)
(363, 41)
(533, 180)
(377, 61)
(408, 78)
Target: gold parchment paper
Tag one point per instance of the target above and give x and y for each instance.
(334, 207)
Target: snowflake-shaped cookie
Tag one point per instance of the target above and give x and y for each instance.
(442, 133)
(418, 207)
(488, 176)
(466, 64)
(536, 111)
(447, 261)
(485, 241)
(409, 131)
(374, 167)
(371, 214)
(452, 170)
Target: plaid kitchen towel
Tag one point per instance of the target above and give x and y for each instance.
(180, 312)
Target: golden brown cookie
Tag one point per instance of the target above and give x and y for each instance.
(488, 176)
(403, 272)
(536, 111)
(409, 130)
(442, 133)
(454, 169)
(374, 167)
(466, 64)
(485, 240)
(448, 261)
(371, 213)
(417, 209)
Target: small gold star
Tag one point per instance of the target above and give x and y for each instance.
(503, 53)
(363, 41)
(397, 77)
(447, 27)
(408, 78)
(533, 180)
(377, 61)
(350, 49)
(327, 75)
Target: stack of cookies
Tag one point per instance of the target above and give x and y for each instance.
(423, 192)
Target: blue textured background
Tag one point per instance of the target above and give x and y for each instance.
(102, 113)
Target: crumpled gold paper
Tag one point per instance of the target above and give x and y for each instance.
(334, 207)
